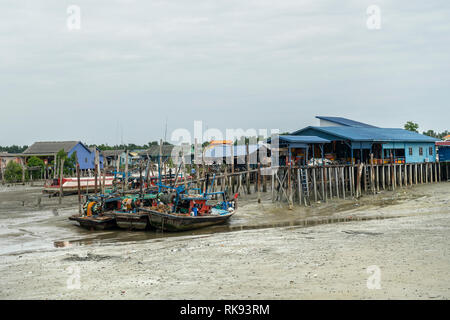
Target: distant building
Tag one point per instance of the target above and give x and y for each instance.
(112, 157)
(443, 150)
(47, 150)
(152, 153)
(341, 122)
(6, 158)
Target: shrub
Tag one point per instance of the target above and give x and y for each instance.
(13, 172)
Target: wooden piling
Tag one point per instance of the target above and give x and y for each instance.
(314, 183)
(61, 174)
(78, 187)
(247, 162)
(259, 182)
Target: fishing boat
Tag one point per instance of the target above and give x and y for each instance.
(93, 214)
(95, 222)
(181, 211)
(129, 217)
(70, 185)
(183, 222)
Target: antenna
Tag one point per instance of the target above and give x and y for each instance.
(165, 132)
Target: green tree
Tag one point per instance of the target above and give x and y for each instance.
(411, 126)
(69, 162)
(438, 135)
(13, 172)
(36, 162)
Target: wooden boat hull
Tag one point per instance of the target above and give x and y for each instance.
(70, 185)
(171, 222)
(130, 221)
(97, 223)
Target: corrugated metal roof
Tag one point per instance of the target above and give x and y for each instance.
(303, 139)
(372, 134)
(50, 147)
(153, 151)
(346, 122)
(112, 153)
(224, 151)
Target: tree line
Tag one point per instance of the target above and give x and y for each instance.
(412, 126)
(13, 149)
(129, 146)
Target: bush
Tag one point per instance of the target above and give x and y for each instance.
(13, 172)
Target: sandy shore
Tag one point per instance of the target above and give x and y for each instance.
(327, 261)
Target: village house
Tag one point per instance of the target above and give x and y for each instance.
(348, 141)
(47, 151)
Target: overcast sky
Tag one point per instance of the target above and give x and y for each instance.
(230, 63)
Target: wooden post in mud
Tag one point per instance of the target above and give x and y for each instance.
(299, 187)
(336, 181)
(314, 183)
(343, 181)
(259, 182)
(272, 174)
(372, 178)
(104, 178)
(426, 172)
(264, 179)
(352, 180)
(78, 187)
(415, 173)
(438, 165)
(61, 181)
(410, 174)
(394, 176)
(247, 161)
(330, 186)
(406, 175)
(322, 183)
(125, 178)
(54, 167)
(196, 162)
(141, 182)
(232, 167)
(358, 179)
(435, 172)
(95, 177)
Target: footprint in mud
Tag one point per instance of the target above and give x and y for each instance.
(89, 257)
(362, 232)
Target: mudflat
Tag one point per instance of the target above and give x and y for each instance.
(266, 252)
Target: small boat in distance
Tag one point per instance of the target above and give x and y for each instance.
(70, 185)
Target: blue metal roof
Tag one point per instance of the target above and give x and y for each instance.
(303, 139)
(369, 134)
(346, 122)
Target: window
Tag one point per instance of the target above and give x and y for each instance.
(410, 152)
(431, 151)
(420, 151)
(85, 160)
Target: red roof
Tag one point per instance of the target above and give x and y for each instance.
(443, 143)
